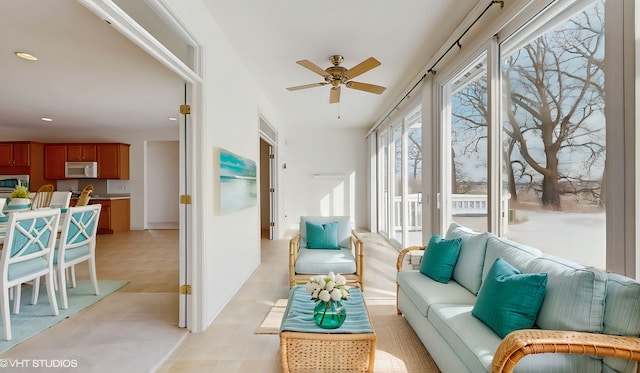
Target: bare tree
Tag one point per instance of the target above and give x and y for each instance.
(554, 89)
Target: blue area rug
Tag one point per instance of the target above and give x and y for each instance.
(33, 320)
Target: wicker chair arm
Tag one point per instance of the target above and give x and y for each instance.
(356, 243)
(294, 245)
(404, 252)
(520, 343)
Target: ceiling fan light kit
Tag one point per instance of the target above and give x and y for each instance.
(337, 76)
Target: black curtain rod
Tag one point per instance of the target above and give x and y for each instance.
(457, 42)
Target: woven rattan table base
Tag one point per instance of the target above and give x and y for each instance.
(316, 352)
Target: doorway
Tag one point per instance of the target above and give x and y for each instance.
(268, 181)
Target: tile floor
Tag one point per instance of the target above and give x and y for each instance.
(230, 345)
(135, 329)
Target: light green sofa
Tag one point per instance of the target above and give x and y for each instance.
(584, 312)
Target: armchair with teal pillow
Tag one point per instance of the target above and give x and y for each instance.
(326, 244)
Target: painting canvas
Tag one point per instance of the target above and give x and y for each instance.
(238, 189)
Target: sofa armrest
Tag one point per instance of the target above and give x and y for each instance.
(404, 252)
(401, 256)
(520, 343)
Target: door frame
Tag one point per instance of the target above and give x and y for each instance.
(191, 305)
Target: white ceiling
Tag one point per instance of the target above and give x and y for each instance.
(90, 75)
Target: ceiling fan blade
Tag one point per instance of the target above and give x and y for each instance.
(334, 95)
(313, 67)
(362, 67)
(366, 87)
(306, 86)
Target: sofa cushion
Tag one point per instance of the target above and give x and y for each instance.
(475, 344)
(575, 295)
(509, 300)
(344, 228)
(440, 258)
(473, 341)
(621, 315)
(313, 262)
(516, 254)
(468, 269)
(322, 236)
(423, 291)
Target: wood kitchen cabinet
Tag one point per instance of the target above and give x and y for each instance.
(15, 154)
(23, 158)
(115, 214)
(113, 161)
(81, 153)
(55, 156)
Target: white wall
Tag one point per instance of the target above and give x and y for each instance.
(162, 184)
(326, 174)
(231, 105)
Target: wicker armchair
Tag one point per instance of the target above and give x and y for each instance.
(351, 252)
(520, 343)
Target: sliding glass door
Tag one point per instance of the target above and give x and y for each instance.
(465, 186)
(400, 181)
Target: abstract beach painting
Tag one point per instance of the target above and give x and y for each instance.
(238, 189)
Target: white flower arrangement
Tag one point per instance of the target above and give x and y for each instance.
(331, 287)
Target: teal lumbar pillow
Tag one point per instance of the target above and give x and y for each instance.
(509, 300)
(440, 258)
(322, 236)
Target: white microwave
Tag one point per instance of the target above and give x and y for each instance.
(81, 170)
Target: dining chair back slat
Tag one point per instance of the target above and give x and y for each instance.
(43, 197)
(27, 255)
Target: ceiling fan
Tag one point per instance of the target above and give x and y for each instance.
(337, 76)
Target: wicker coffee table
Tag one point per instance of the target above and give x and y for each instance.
(305, 347)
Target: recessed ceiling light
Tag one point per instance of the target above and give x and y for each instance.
(45, 119)
(26, 56)
(173, 118)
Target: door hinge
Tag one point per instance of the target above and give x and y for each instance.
(185, 199)
(272, 156)
(185, 109)
(272, 190)
(272, 224)
(185, 289)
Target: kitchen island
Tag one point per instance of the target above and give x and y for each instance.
(115, 215)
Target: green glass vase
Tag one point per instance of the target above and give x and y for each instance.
(329, 315)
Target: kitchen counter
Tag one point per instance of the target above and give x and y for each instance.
(107, 197)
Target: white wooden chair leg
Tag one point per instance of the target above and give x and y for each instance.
(36, 291)
(17, 294)
(63, 288)
(72, 270)
(93, 275)
(51, 293)
(6, 320)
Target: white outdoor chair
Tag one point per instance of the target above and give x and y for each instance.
(27, 255)
(77, 244)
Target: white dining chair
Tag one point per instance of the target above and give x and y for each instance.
(27, 255)
(60, 199)
(77, 244)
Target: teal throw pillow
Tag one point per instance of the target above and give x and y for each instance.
(440, 258)
(509, 300)
(322, 236)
